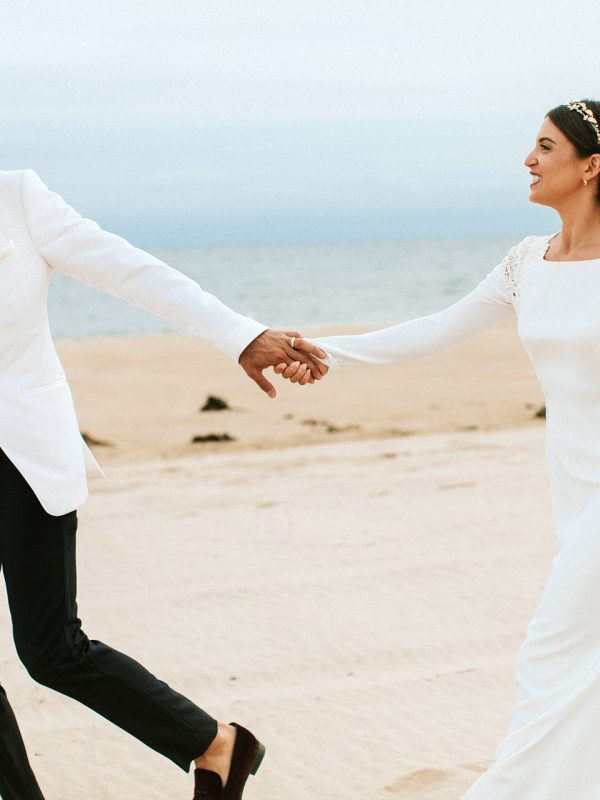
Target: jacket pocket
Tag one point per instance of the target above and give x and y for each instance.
(7, 248)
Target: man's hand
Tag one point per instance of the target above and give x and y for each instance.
(272, 348)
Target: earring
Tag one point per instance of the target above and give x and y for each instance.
(584, 182)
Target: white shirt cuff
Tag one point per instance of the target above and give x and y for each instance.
(240, 337)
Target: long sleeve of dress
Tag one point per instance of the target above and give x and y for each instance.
(79, 247)
(489, 304)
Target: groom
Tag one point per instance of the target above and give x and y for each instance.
(44, 461)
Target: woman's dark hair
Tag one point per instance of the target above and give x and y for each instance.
(578, 131)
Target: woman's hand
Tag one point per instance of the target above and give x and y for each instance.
(268, 350)
(297, 372)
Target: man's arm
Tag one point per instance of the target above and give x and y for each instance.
(78, 247)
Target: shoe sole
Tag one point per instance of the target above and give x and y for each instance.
(259, 757)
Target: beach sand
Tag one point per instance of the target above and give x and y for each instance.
(350, 578)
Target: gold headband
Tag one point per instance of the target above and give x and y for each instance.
(586, 113)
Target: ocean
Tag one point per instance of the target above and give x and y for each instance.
(298, 286)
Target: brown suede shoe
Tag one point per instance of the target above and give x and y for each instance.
(248, 753)
(208, 785)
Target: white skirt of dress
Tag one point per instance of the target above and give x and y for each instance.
(551, 751)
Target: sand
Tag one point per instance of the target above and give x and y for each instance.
(351, 577)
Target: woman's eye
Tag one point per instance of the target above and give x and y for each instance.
(544, 147)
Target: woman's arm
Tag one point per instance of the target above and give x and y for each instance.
(486, 306)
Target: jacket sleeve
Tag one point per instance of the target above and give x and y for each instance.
(489, 304)
(79, 247)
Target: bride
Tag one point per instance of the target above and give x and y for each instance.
(550, 285)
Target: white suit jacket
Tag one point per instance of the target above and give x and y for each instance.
(40, 233)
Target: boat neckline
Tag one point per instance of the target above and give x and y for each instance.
(572, 261)
(568, 261)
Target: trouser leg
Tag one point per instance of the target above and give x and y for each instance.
(17, 781)
(40, 574)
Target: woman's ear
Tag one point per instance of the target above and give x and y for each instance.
(593, 168)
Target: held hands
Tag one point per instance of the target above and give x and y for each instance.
(274, 349)
(298, 371)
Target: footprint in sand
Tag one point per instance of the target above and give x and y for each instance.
(434, 784)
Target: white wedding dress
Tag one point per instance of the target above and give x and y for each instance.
(550, 751)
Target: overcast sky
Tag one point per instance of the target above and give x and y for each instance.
(190, 122)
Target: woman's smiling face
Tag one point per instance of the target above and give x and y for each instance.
(557, 173)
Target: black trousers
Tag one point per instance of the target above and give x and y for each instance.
(37, 556)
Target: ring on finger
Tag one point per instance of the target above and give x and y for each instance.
(293, 342)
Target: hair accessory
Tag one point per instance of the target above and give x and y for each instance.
(580, 107)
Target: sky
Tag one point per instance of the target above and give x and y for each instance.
(188, 123)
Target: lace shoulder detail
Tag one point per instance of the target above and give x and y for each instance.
(514, 264)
